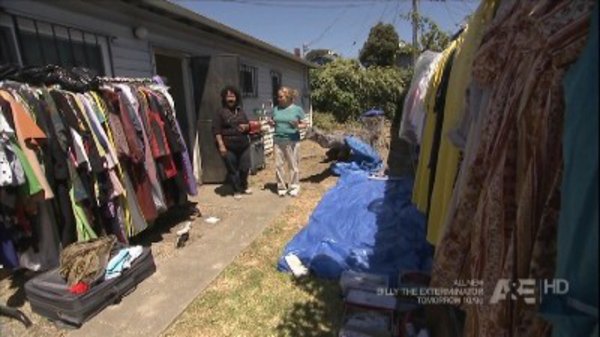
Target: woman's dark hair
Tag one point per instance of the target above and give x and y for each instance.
(230, 88)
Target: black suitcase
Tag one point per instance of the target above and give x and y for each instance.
(257, 155)
(49, 295)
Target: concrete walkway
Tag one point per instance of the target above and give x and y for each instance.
(179, 279)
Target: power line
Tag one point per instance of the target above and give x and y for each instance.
(320, 5)
(328, 28)
(317, 4)
(402, 9)
(452, 17)
(396, 13)
(362, 27)
(384, 10)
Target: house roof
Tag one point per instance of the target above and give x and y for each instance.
(186, 16)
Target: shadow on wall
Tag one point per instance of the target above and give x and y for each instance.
(319, 316)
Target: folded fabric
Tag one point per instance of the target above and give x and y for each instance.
(122, 261)
(86, 261)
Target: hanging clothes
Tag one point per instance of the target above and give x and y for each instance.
(420, 195)
(504, 224)
(11, 170)
(438, 110)
(76, 166)
(447, 162)
(413, 111)
(137, 140)
(29, 137)
(168, 109)
(576, 314)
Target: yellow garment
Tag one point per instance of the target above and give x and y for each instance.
(421, 185)
(460, 78)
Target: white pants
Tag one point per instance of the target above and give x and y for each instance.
(287, 153)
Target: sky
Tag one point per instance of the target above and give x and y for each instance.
(340, 25)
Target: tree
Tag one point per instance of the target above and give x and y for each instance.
(346, 90)
(381, 46)
(431, 36)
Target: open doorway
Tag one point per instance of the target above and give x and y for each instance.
(275, 85)
(170, 68)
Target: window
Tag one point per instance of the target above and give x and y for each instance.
(8, 54)
(275, 84)
(41, 43)
(39, 50)
(248, 81)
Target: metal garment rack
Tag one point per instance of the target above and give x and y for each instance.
(125, 80)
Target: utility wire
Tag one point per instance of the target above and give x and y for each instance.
(362, 27)
(266, 3)
(384, 11)
(396, 13)
(314, 4)
(451, 12)
(328, 28)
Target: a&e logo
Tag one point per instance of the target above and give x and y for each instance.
(526, 289)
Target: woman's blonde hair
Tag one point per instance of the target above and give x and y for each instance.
(289, 93)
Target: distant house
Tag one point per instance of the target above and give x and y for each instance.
(404, 58)
(321, 56)
(197, 56)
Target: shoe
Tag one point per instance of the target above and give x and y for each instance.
(237, 196)
(248, 191)
(294, 191)
(282, 193)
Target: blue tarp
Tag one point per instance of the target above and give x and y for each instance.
(365, 225)
(363, 158)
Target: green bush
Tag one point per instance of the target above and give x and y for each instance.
(326, 121)
(347, 90)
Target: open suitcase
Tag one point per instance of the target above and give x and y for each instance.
(49, 295)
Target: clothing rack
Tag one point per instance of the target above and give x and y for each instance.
(132, 80)
(144, 179)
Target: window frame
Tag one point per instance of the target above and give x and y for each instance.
(50, 31)
(253, 71)
(11, 50)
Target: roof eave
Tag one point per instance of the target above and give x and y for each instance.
(187, 16)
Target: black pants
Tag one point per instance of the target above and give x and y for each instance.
(237, 162)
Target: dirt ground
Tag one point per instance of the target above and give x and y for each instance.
(316, 180)
(250, 297)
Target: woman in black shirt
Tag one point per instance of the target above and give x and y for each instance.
(231, 127)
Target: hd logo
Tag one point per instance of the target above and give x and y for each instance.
(526, 289)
